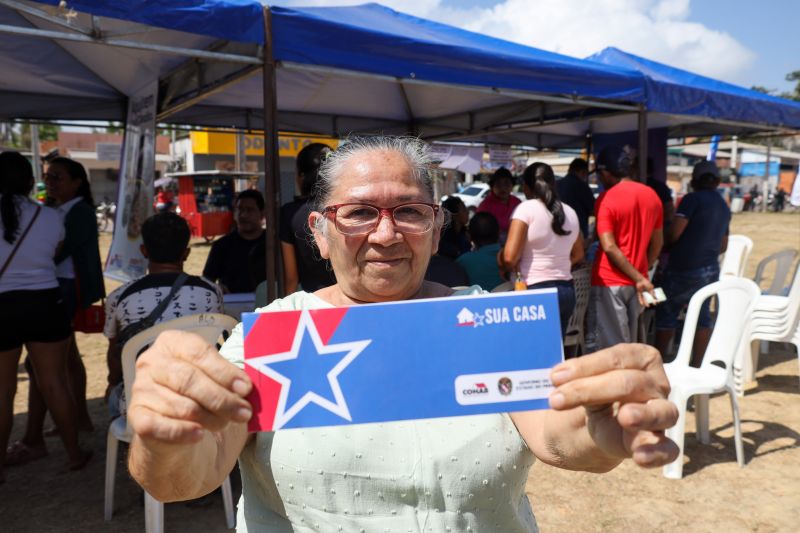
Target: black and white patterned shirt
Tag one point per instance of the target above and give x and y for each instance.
(136, 299)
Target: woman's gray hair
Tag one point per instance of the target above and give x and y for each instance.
(415, 151)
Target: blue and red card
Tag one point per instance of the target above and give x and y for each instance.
(404, 360)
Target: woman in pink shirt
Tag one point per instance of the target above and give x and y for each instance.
(544, 239)
(500, 202)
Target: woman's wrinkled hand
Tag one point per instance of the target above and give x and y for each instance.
(184, 387)
(624, 391)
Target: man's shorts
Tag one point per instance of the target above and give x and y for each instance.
(612, 317)
(680, 286)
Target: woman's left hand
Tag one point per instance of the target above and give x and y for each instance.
(624, 391)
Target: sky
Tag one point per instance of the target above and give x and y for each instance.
(746, 42)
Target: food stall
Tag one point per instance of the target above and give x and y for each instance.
(205, 198)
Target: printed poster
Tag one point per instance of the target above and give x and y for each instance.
(135, 197)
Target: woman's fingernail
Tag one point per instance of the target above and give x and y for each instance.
(243, 414)
(557, 400)
(644, 457)
(561, 374)
(240, 387)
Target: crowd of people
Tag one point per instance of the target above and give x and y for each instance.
(365, 228)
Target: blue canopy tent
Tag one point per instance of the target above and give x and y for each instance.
(420, 76)
(704, 105)
(318, 70)
(678, 104)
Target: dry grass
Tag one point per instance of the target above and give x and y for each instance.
(715, 494)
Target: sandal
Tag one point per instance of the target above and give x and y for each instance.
(20, 453)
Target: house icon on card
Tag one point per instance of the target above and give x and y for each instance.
(466, 317)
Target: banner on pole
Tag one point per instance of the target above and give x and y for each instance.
(135, 197)
(404, 360)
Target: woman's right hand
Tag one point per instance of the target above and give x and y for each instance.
(184, 387)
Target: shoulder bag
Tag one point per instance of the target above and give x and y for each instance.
(19, 242)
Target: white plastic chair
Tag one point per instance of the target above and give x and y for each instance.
(774, 318)
(735, 258)
(575, 336)
(783, 264)
(736, 298)
(210, 326)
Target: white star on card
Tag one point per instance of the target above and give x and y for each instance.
(283, 414)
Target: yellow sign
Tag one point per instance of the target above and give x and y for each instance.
(205, 142)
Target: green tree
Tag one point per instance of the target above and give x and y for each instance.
(795, 77)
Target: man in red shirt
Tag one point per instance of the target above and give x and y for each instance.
(500, 202)
(629, 220)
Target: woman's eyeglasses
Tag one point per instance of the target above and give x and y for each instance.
(358, 219)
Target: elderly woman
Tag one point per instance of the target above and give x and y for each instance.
(376, 222)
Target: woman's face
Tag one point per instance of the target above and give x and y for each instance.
(60, 186)
(385, 264)
(502, 188)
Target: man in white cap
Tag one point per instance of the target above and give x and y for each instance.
(698, 235)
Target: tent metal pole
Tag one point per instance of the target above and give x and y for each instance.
(588, 147)
(202, 54)
(642, 144)
(272, 175)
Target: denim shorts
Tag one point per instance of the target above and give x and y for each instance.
(679, 287)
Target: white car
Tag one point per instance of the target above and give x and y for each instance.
(472, 195)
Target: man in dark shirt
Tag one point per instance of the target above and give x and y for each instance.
(227, 262)
(664, 194)
(699, 233)
(302, 264)
(573, 190)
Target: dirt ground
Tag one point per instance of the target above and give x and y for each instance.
(714, 495)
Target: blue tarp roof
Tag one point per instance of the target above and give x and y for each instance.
(675, 91)
(373, 38)
(236, 20)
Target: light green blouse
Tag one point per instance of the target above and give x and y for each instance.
(460, 474)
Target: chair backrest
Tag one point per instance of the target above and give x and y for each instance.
(736, 298)
(213, 327)
(735, 258)
(582, 279)
(794, 297)
(783, 264)
(793, 283)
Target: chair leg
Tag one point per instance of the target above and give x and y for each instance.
(112, 445)
(227, 502)
(153, 515)
(701, 418)
(674, 470)
(751, 363)
(737, 429)
(763, 347)
(796, 343)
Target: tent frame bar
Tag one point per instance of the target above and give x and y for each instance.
(44, 15)
(765, 128)
(191, 52)
(521, 95)
(525, 126)
(272, 171)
